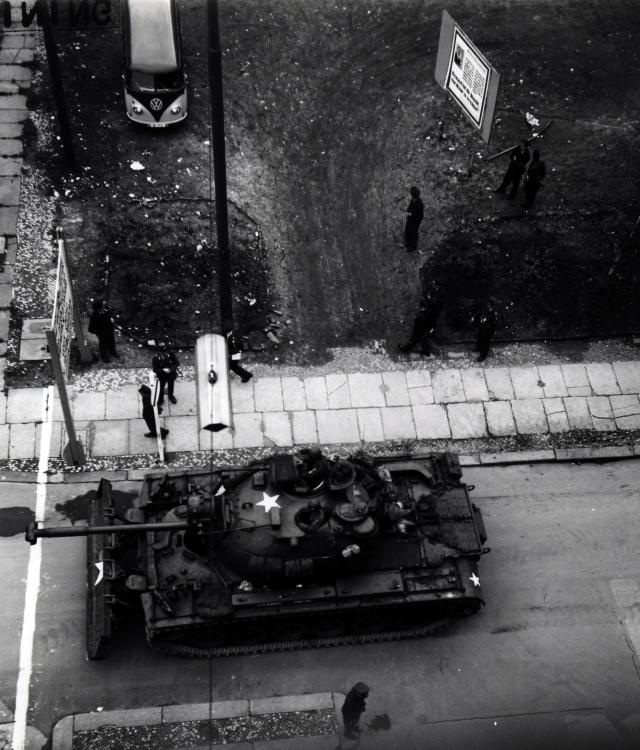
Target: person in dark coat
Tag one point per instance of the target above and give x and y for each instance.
(234, 349)
(487, 322)
(147, 413)
(533, 179)
(101, 325)
(518, 159)
(352, 708)
(424, 326)
(165, 366)
(316, 469)
(415, 211)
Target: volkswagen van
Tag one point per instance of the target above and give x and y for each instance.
(155, 84)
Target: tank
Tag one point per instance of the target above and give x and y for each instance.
(292, 551)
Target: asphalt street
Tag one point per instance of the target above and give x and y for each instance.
(551, 659)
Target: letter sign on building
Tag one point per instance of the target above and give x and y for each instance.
(467, 75)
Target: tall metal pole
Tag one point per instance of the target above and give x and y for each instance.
(216, 106)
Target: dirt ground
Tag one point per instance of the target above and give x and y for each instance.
(332, 113)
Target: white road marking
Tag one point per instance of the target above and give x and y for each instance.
(33, 582)
(627, 595)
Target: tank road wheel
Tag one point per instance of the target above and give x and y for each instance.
(289, 631)
(248, 633)
(328, 627)
(367, 624)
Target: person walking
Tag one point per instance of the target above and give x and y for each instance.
(487, 322)
(101, 325)
(148, 415)
(518, 159)
(234, 351)
(352, 708)
(165, 366)
(415, 211)
(424, 326)
(533, 179)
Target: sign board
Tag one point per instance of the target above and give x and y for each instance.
(467, 75)
(18, 15)
(63, 313)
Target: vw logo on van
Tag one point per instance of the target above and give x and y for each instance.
(155, 104)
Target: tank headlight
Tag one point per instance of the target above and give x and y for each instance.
(176, 109)
(137, 109)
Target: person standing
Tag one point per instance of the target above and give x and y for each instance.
(101, 325)
(352, 708)
(424, 326)
(533, 179)
(487, 322)
(234, 351)
(518, 159)
(165, 366)
(148, 415)
(415, 211)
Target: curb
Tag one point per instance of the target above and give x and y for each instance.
(63, 730)
(588, 453)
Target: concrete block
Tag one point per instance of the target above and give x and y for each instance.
(22, 440)
(338, 394)
(466, 420)
(202, 711)
(11, 129)
(90, 405)
(366, 389)
(62, 735)
(267, 393)
(15, 56)
(517, 457)
(126, 717)
(3, 408)
(9, 190)
(185, 393)
(394, 385)
(470, 460)
(397, 423)
(291, 703)
(626, 411)
(370, 425)
(183, 433)
(475, 387)
(24, 405)
(293, 394)
(602, 378)
(337, 426)
(304, 428)
(125, 403)
(315, 389)
(601, 414)
(215, 441)
(553, 382)
(4, 441)
(419, 387)
(313, 742)
(13, 116)
(576, 380)
(499, 418)
(556, 415)
(431, 421)
(109, 438)
(627, 376)
(594, 452)
(526, 382)
(242, 400)
(529, 415)
(499, 384)
(9, 87)
(447, 386)
(15, 73)
(247, 430)
(578, 413)
(10, 147)
(15, 101)
(277, 428)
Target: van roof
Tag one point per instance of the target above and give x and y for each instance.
(153, 36)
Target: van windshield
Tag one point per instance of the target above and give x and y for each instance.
(157, 81)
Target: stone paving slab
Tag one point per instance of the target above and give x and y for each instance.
(366, 390)
(10, 72)
(9, 189)
(530, 416)
(109, 438)
(395, 388)
(466, 420)
(267, 393)
(338, 393)
(576, 379)
(293, 394)
(603, 379)
(183, 433)
(431, 421)
(277, 429)
(475, 387)
(215, 441)
(124, 403)
(19, 39)
(554, 385)
(315, 389)
(11, 130)
(370, 425)
(247, 430)
(13, 102)
(10, 147)
(447, 386)
(242, 399)
(626, 411)
(22, 440)
(15, 55)
(627, 376)
(499, 384)
(185, 394)
(397, 423)
(578, 413)
(304, 427)
(556, 415)
(419, 387)
(10, 166)
(90, 405)
(525, 382)
(24, 405)
(601, 413)
(499, 418)
(337, 426)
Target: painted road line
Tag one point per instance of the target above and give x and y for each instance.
(33, 581)
(627, 595)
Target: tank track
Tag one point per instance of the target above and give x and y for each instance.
(350, 639)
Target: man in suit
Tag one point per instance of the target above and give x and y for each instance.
(518, 159)
(165, 366)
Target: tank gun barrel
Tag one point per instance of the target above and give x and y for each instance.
(33, 533)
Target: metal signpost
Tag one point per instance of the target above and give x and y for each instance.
(59, 338)
(467, 75)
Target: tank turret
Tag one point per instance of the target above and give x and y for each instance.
(296, 550)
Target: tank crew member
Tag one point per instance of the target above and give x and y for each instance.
(415, 211)
(518, 159)
(487, 322)
(234, 349)
(423, 326)
(315, 471)
(533, 179)
(165, 365)
(101, 325)
(352, 708)
(147, 413)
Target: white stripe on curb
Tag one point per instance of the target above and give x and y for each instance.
(33, 582)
